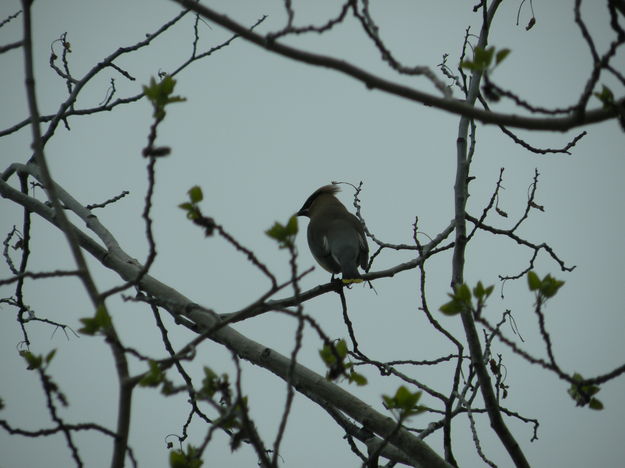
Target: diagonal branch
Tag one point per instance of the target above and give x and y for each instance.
(375, 82)
(199, 319)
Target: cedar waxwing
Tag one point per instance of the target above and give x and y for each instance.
(335, 236)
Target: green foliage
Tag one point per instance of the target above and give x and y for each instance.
(501, 55)
(606, 97)
(329, 356)
(194, 213)
(40, 363)
(355, 377)
(239, 436)
(210, 383)
(483, 59)
(284, 234)
(195, 196)
(231, 408)
(461, 298)
(99, 323)
(546, 288)
(404, 403)
(154, 377)
(458, 301)
(160, 95)
(34, 361)
(333, 356)
(482, 293)
(50, 356)
(583, 393)
(180, 459)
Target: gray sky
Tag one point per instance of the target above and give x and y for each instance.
(259, 133)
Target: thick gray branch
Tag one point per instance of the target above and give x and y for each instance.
(200, 319)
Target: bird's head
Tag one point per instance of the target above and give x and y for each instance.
(322, 195)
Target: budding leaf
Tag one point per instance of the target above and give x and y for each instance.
(404, 402)
(284, 234)
(100, 322)
(34, 361)
(195, 194)
(606, 96)
(533, 281)
(357, 378)
(501, 56)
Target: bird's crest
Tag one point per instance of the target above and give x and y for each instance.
(331, 189)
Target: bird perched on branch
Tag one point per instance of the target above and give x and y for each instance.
(335, 236)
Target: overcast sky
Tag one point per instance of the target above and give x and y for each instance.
(259, 133)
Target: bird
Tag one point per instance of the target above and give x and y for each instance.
(335, 236)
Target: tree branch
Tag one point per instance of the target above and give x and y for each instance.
(371, 81)
(461, 195)
(199, 319)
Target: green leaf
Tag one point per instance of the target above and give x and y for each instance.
(357, 378)
(89, 326)
(180, 459)
(209, 383)
(483, 58)
(33, 361)
(100, 322)
(168, 388)
(547, 287)
(595, 404)
(533, 281)
(451, 308)
(277, 232)
(460, 299)
(403, 397)
(193, 211)
(50, 356)
(151, 91)
(479, 291)
(341, 348)
(153, 377)
(167, 85)
(326, 355)
(291, 226)
(463, 293)
(389, 402)
(237, 438)
(177, 459)
(329, 356)
(501, 55)
(583, 394)
(470, 65)
(404, 402)
(606, 96)
(550, 286)
(158, 93)
(195, 194)
(284, 235)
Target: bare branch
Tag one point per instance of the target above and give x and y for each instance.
(375, 82)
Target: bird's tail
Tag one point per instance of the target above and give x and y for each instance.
(350, 273)
(352, 280)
